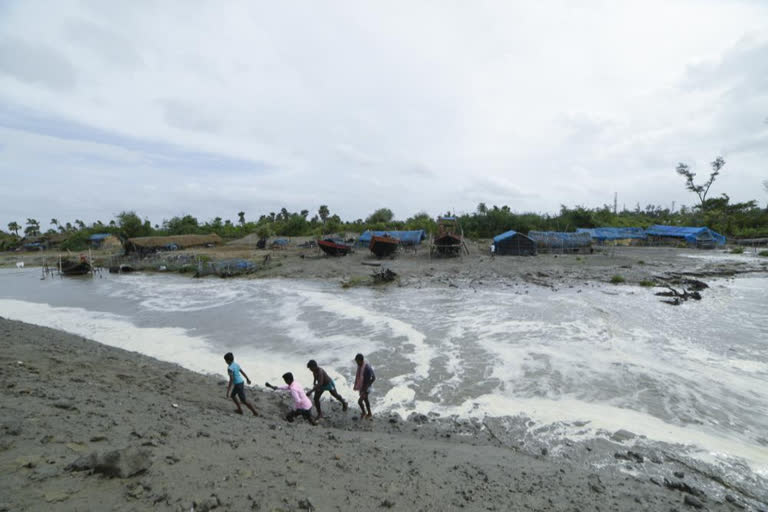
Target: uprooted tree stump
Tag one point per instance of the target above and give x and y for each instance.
(384, 275)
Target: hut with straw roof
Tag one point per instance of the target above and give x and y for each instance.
(151, 244)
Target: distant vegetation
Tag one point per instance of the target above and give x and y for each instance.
(731, 219)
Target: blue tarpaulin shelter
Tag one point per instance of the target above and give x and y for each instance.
(560, 241)
(696, 236)
(611, 234)
(513, 243)
(406, 237)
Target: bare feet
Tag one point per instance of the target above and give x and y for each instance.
(369, 416)
(344, 406)
(239, 411)
(362, 415)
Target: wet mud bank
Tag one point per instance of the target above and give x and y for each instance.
(89, 426)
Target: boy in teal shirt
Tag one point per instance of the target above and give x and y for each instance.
(237, 384)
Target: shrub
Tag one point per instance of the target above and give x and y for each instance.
(641, 262)
(617, 279)
(737, 250)
(763, 253)
(647, 284)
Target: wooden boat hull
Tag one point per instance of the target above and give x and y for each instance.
(448, 245)
(383, 246)
(332, 248)
(75, 269)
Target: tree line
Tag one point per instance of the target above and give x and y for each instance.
(745, 219)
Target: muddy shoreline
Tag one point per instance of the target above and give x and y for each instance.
(67, 399)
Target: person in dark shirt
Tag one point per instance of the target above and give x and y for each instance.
(363, 381)
(322, 383)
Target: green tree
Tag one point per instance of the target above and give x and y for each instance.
(382, 215)
(15, 227)
(80, 224)
(323, 212)
(264, 231)
(700, 190)
(482, 208)
(55, 222)
(241, 218)
(130, 224)
(33, 228)
(185, 225)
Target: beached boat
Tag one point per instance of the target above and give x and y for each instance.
(448, 239)
(75, 268)
(334, 246)
(383, 246)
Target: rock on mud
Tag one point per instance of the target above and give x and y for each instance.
(116, 463)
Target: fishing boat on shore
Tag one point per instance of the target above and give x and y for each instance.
(75, 268)
(448, 239)
(334, 246)
(384, 245)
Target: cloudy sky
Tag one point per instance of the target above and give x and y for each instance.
(210, 108)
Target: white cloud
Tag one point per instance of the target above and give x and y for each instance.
(412, 106)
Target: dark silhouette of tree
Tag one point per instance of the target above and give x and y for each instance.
(323, 212)
(131, 225)
(700, 190)
(15, 227)
(241, 218)
(33, 228)
(482, 208)
(55, 222)
(382, 215)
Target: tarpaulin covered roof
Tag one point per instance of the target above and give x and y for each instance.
(98, 236)
(505, 235)
(560, 239)
(614, 233)
(690, 234)
(406, 237)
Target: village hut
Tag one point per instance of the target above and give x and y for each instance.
(151, 244)
(616, 236)
(103, 241)
(561, 242)
(407, 238)
(698, 237)
(513, 243)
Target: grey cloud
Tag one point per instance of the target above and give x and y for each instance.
(112, 48)
(36, 64)
(743, 69)
(184, 116)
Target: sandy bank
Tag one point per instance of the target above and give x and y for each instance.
(64, 397)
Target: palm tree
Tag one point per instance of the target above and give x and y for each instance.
(15, 227)
(241, 216)
(323, 212)
(54, 222)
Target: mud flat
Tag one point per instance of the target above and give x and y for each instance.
(89, 427)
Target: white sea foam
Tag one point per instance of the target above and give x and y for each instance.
(169, 344)
(420, 354)
(601, 418)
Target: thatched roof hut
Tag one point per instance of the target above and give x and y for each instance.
(150, 244)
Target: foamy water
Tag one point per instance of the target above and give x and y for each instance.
(615, 357)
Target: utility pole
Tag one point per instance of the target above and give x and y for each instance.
(615, 202)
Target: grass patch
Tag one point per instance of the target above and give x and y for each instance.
(641, 262)
(763, 253)
(647, 284)
(356, 281)
(617, 279)
(737, 250)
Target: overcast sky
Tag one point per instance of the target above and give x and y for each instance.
(210, 108)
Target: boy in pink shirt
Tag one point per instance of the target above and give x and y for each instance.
(302, 404)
